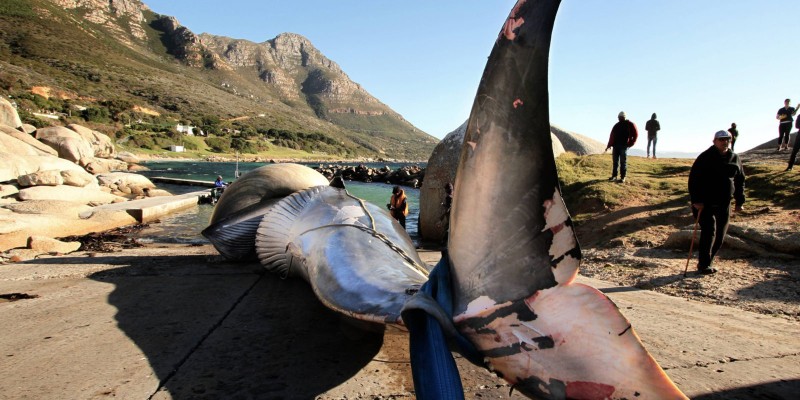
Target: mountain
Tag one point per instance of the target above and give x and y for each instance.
(142, 66)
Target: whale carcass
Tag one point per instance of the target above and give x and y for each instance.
(513, 253)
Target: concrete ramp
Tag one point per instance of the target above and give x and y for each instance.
(152, 208)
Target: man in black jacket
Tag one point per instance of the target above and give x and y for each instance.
(623, 136)
(715, 178)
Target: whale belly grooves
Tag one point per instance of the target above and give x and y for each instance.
(357, 258)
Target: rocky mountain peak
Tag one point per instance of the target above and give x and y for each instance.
(112, 14)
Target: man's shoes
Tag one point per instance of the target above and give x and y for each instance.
(612, 179)
(622, 180)
(654, 157)
(707, 270)
(788, 169)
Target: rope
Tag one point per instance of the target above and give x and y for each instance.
(383, 238)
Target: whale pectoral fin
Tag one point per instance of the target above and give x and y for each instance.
(569, 341)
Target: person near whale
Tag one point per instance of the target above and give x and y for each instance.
(398, 205)
(716, 177)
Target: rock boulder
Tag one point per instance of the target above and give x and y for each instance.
(39, 147)
(62, 207)
(50, 245)
(75, 194)
(69, 144)
(101, 144)
(14, 165)
(8, 114)
(125, 180)
(42, 178)
(97, 166)
(78, 178)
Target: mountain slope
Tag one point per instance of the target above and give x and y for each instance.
(119, 50)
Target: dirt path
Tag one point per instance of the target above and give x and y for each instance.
(629, 251)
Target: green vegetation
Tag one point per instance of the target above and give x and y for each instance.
(659, 184)
(16, 8)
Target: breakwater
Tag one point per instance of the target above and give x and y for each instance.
(407, 175)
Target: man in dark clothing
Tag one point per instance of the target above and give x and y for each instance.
(786, 116)
(796, 146)
(734, 135)
(716, 177)
(652, 127)
(623, 136)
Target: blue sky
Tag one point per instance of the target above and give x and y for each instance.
(699, 64)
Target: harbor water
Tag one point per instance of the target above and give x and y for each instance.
(185, 226)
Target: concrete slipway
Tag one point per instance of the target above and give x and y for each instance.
(179, 322)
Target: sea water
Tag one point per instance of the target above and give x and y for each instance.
(185, 226)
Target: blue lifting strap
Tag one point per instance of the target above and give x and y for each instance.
(428, 315)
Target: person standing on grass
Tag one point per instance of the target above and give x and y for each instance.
(785, 116)
(623, 136)
(716, 177)
(734, 134)
(652, 127)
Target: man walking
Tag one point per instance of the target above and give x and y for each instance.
(652, 127)
(785, 116)
(716, 177)
(623, 136)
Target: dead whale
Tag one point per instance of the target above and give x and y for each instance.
(238, 212)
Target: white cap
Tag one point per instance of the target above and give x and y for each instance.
(722, 134)
(621, 114)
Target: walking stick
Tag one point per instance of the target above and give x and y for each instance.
(691, 246)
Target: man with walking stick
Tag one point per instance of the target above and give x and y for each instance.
(715, 178)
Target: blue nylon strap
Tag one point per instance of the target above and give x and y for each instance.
(432, 366)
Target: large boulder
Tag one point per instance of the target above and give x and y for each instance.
(13, 165)
(8, 114)
(97, 166)
(78, 178)
(441, 170)
(39, 147)
(127, 157)
(49, 245)
(88, 196)
(125, 179)
(68, 143)
(577, 143)
(28, 128)
(12, 145)
(42, 178)
(62, 207)
(101, 144)
(8, 190)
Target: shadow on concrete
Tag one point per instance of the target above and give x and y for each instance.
(785, 389)
(214, 332)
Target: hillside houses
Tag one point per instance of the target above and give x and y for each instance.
(189, 130)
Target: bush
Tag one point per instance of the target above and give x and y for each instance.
(218, 144)
(96, 114)
(143, 140)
